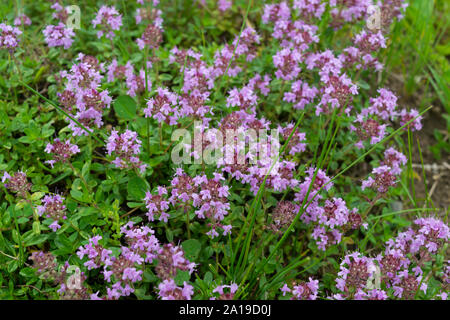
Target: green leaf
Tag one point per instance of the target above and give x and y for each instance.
(37, 195)
(12, 266)
(27, 272)
(80, 196)
(36, 227)
(16, 236)
(36, 239)
(136, 188)
(191, 248)
(125, 107)
(181, 277)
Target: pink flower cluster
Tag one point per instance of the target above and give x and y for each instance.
(17, 183)
(125, 269)
(59, 35)
(224, 5)
(386, 175)
(135, 82)
(62, 151)
(9, 37)
(303, 290)
(157, 204)
(163, 107)
(22, 20)
(83, 92)
(54, 209)
(414, 117)
(232, 289)
(283, 215)
(154, 16)
(301, 94)
(168, 290)
(400, 268)
(125, 148)
(109, 20)
(208, 196)
(369, 123)
(151, 38)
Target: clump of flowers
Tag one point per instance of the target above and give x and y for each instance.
(109, 20)
(62, 151)
(368, 129)
(82, 96)
(95, 253)
(297, 142)
(171, 260)
(243, 98)
(54, 209)
(303, 290)
(274, 12)
(287, 63)
(163, 107)
(383, 106)
(45, 264)
(59, 35)
(151, 38)
(414, 117)
(224, 5)
(125, 269)
(47, 268)
(210, 199)
(125, 147)
(153, 15)
(168, 290)
(222, 295)
(398, 272)
(9, 37)
(17, 183)
(283, 214)
(301, 95)
(157, 204)
(383, 178)
(313, 183)
(22, 20)
(394, 159)
(355, 271)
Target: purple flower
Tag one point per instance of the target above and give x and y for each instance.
(17, 183)
(287, 63)
(61, 151)
(394, 159)
(151, 38)
(54, 209)
(310, 8)
(406, 116)
(9, 37)
(301, 94)
(368, 129)
(163, 107)
(232, 289)
(303, 290)
(224, 5)
(157, 204)
(59, 35)
(109, 20)
(275, 12)
(125, 147)
(383, 106)
(168, 290)
(383, 178)
(22, 20)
